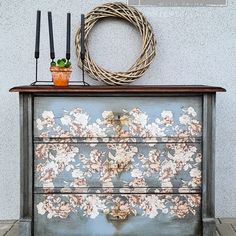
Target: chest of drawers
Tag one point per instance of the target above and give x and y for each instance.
(107, 161)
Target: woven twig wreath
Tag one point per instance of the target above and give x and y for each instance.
(118, 10)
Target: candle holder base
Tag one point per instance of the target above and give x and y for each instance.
(48, 83)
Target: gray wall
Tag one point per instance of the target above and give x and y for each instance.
(195, 46)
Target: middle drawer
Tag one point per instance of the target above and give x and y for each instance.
(118, 165)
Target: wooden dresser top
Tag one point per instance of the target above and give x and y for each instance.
(119, 89)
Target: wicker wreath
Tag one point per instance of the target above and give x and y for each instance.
(147, 54)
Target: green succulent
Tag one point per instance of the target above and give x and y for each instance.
(68, 64)
(62, 63)
(53, 63)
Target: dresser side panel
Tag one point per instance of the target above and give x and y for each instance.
(208, 184)
(26, 160)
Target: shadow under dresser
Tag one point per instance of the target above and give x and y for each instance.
(117, 161)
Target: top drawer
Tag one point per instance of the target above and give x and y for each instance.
(122, 117)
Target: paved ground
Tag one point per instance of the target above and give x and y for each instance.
(225, 227)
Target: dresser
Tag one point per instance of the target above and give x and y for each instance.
(117, 161)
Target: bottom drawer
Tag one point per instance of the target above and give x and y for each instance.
(117, 214)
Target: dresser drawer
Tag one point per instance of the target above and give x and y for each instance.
(143, 117)
(133, 165)
(124, 215)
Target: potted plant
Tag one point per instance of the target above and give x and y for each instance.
(61, 71)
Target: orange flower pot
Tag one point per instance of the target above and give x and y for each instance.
(60, 76)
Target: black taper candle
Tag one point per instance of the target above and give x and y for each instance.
(82, 52)
(68, 35)
(37, 39)
(52, 53)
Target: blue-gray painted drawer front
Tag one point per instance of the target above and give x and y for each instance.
(112, 215)
(133, 165)
(127, 166)
(143, 117)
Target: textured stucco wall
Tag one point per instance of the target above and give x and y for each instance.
(195, 46)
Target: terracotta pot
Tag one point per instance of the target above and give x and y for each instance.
(60, 76)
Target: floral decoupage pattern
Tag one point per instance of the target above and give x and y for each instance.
(183, 124)
(119, 207)
(134, 158)
(118, 152)
(121, 165)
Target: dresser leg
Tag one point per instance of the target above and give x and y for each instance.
(25, 227)
(209, 227)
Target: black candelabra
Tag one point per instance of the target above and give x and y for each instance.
(82, 47)
(52, 51)
(37, 43)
